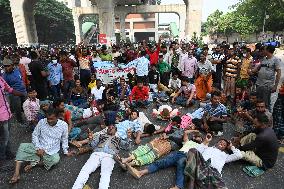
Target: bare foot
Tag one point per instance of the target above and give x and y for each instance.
(76, 143)
(134, 172)
(175, 187)
(14, 179)
(28, 168)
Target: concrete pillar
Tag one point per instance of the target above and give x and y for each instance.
(122, 26)
(24, 22)
(157, 27)
(77, 25)
(193, 17)
(106, 18)
(182, 22)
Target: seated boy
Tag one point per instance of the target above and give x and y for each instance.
(174, 84)
(139, 95)
(215, 114)
(31, 108)
(186, 94)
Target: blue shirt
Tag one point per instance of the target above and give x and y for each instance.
(14, 80)
(55, 73)
(122, 128)
(218, 111)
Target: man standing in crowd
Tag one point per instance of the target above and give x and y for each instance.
(5, 116)
(267, 82)
(39, 76)
(13, 77)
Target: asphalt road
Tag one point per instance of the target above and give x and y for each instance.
(63, 175)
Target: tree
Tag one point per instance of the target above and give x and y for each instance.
(213, 22)
(7, 34)
(256, 11)
(54, 22)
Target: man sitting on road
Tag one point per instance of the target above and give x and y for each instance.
(260, 147)
(46, 139)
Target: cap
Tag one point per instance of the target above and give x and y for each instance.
(7, 62)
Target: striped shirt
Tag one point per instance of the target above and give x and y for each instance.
(48, 137)
(31, 109)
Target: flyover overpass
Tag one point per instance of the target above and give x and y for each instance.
(25, 28)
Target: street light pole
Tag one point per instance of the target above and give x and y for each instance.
(264, 20)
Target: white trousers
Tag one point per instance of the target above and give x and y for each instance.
(96, 159)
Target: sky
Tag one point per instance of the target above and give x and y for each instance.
(209, 6)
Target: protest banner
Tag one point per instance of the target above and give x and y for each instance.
(107, 71)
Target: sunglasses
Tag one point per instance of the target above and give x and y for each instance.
(7, 66)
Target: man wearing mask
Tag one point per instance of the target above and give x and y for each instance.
(55, 77)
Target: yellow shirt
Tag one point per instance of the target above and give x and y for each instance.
(92, 85)
(245, 67)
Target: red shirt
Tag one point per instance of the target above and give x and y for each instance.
(139, 94)
(154, 57)
(67, 69)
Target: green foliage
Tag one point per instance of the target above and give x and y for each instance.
(54, 22)
(247, 18)
(197, 40)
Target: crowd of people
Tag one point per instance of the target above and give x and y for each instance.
(55, 95)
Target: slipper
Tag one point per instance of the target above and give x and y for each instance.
(117, 158)
(133, 171)
(253, 171)
(14, 180)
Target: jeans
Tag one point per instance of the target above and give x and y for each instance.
(55, 91)
(264, 93)
(96, 159)
(139, 103)
(177, 159)
(181, 100)
(68, 85)
(4, 139)
(85, 77)
(16, 106)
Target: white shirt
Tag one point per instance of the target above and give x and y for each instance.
(176, 84)
(98, 93)
(25, 61)
(218, 157)
(142, 66)
(48, 137)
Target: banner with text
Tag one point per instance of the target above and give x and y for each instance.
(107, 71)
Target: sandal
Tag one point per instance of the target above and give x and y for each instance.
(118, 159)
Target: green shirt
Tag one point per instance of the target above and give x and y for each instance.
(163, 67)
(188, 145)
(106, 57)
